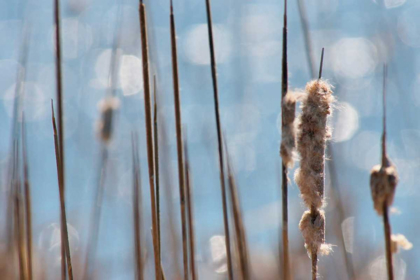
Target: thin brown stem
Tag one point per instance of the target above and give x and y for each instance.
(387, 231)
(136, 209)
(149, 131)
(156, 154)
(28, 207)
(219, 140)
(190, 212)
(178, 124)
(308, 42)
(61, 132)
(60, 189)
(238, 223)
(284, 88)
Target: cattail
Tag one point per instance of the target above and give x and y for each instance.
(107, 107)
(288, 131)
(383, 181)
(312, 136)
(313, 133)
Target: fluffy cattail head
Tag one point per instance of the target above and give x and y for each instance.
(312, 226)
(313, 133)
(383, 182)
(107, 107)
(288, 134)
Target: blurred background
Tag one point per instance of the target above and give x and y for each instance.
(359, 36)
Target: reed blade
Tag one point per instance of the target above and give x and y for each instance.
(284, 188)
(63, 222)
(238, 221)
(190, 208)
(61, 133)
(149, 132)
(219, 139)
(136, 208)
(28, 204)
(178, 124)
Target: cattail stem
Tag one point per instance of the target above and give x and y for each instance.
(28, 207)
(61, 134)
(136, 209)
(178, 123)
(149, 132)
(59, 175)
(238, 222)
(219, 140)
(284, 87)
(387, 231)
(190, 212)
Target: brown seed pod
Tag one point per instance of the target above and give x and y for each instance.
(313, 231)
(107, 107)
(383, 182)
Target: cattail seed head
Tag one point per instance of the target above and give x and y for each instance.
(107, 107)
(312, 135)
(313, 231)
(288, 136)
(383, 182)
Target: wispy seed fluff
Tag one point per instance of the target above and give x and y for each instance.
(312, 135)
(400, 241)
(383, 181)
(288, 132)
(313, 231)
(107, 107)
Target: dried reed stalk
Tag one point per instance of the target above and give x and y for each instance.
(59, 177)
(219, 139)
(136, 208)
(287, 146)
(178, 124)
(28, 207)
(62, 184)
(238, 222)
(190, 206)
(383, 182)
(156, 154)
(149, 132)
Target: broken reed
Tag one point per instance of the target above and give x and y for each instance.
(178, 124)
(149, 132)
(285, 149)
(219, 139)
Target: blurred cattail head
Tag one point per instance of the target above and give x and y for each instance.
(383, 181)
(288, 136)
(107, 107)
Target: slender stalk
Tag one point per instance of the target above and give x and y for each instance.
(190, 212)
(61, 133)
(149, 131)
(178, 124)
(238, 222)
(59, 175)
(96, 217)
(156, 153)
(136, 209)
(219, 140)
(28, 206)
(385, 162)
(308, 42)
(285, 222)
